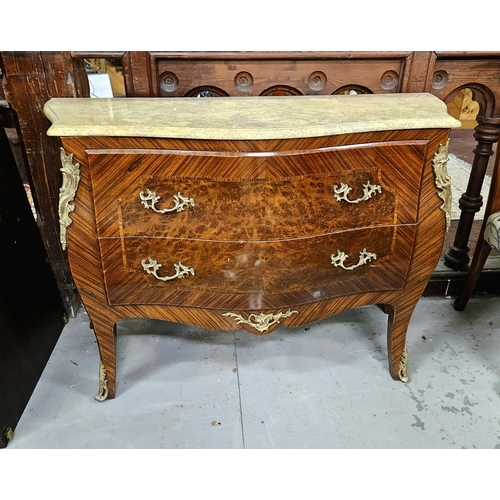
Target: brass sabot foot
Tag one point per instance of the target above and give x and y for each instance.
(403, 365)
(103, 385)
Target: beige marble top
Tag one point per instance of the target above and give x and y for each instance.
(233, 118)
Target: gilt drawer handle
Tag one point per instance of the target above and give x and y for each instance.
(261, 322)
(364, 257)
(152, 266)
(369, 190)
(150, 199)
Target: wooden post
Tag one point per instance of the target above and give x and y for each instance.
(30, 80)
(418, 72)
(486, 133)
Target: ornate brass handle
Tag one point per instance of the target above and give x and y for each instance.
(364, 257)
(152, 266)
(260, 322)
(150, 199)
(369, 190)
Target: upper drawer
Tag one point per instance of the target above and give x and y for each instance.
(255, 196)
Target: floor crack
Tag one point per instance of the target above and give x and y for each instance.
(239, 390)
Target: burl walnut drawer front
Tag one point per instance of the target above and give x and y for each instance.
(156, 270)
(255, 196)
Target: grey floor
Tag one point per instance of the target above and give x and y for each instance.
(323, 386)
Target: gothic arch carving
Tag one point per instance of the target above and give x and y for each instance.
(280, 90)
(206, 91)
(480, 93)
(347, 89)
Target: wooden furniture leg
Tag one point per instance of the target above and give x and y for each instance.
(105, 332)
(398, 321)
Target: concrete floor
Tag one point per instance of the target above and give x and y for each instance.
(325, 386)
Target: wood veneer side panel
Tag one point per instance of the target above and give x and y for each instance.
(84, 261)
(427, 250)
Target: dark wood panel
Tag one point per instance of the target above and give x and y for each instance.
(31, 309)
(31, 79)
(236, 77)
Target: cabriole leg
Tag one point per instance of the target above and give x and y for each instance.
(106, 339)
(399, 318)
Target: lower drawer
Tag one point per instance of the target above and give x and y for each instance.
(207, 273)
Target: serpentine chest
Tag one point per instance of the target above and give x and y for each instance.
(251, 212)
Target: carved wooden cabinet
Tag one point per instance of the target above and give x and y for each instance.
(251, 213)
